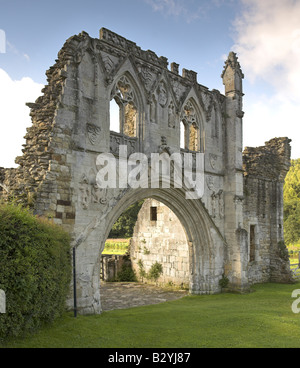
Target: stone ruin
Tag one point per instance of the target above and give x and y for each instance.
(235, 230)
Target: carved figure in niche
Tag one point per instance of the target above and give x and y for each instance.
(153, 110)
(210, 182)
(217, 204)
(172, 115)
(213, 160)
(162, 94)
(99, 194)
(84, 192)
(96, 194)
(93, 133)
(147, 77)
(213, 205)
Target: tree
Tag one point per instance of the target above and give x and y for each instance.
(291, 196)
(123, 227)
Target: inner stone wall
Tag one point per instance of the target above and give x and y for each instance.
(161, 240)
(264, 171)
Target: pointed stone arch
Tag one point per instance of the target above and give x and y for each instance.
(127, 94)
(200, 233)
(193, 122)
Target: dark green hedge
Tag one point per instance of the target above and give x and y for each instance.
(35, 270)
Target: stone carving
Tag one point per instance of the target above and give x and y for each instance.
(178, 89)
(189, 113)
(210, 182)
(208, 103)
(217, 204)
(171, 116)
(90, 193)
(93, 133)
(108, 63)
(123, 90)
(162, 94)
(117, 139)
(213, 160)
(153, 110)
(84, 192)
(147, 77)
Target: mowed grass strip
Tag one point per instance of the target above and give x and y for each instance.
(261, 319)
(116, 246)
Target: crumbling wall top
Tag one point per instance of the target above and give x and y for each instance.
(271, 161)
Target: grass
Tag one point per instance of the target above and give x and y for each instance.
(116, 246)
(261, 319)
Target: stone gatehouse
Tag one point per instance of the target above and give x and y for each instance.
(235, 229)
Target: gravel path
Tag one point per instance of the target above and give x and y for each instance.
(123, 295)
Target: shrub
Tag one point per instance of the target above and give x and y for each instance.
(35, 270)
(155, 271)
(142, 271)
(223, 282)
(126, 274)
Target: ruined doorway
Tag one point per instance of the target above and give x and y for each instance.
(156, 237)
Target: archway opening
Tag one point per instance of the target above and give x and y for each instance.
(148, 248)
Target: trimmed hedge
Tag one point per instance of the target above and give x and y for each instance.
(35, 270)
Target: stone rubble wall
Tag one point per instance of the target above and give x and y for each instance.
(264, 171)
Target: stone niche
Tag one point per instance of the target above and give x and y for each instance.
(159, 237)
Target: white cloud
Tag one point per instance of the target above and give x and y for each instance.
(268, 43)
(268, 46)
(14, 115)
(269, 117)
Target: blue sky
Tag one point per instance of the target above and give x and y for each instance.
(197, 34)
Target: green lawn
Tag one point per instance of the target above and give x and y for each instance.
(263, 318)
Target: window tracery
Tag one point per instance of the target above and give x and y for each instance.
(124, 95)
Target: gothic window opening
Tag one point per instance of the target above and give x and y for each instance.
(190, 122)
(124, 96)
(153, 213)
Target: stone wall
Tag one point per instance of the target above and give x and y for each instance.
(264, 171)
(161, 240)
(111, 265)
